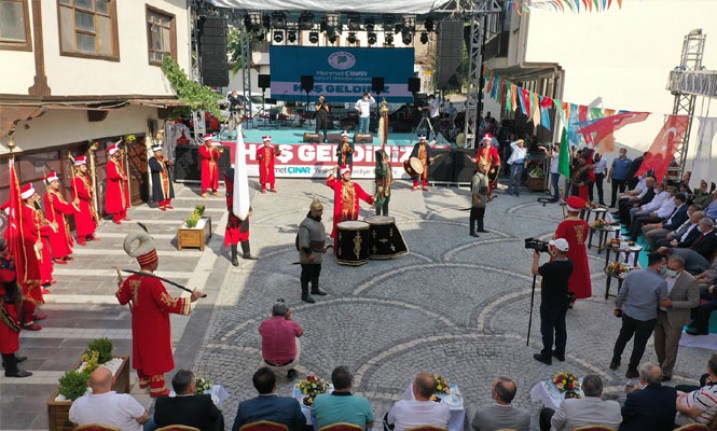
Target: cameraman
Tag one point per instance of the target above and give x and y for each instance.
(553, 300)
(280, 344)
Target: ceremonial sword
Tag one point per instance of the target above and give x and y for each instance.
(131, 271)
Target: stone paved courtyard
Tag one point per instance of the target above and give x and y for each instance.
(455, 305)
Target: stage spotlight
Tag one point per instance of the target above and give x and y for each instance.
(306, 21)
(388, 21)
(333, 20)
(408, 22)
(266, 21)
(278, 36)
(332, 38)
(371, 38)
(397, 28)
(352, 37)
(389, 39)
(323, 27)
(406, 37)
(424, 37)
(279, 19)
(259, 35)
(428, 24)
(255, 21)
(314, 37)
(291, 35)
(354, 22)
(370, 24)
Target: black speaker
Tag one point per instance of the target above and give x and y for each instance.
(449, 54)
(264, 81)
(363, 138)
(307, 83)
(463, 169)
(213, 51)
(312, 138)
(377, 84)
(414, 85)
(441, 170)
(347, 124)
(334, 138)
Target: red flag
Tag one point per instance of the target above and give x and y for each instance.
(16, 246)
(525, 101)
(662, 150)
(605, 127)
(582, 117)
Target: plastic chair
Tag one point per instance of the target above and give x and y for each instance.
(693, 427)
(427, 428)
(341, 426)
(713, 424)
(594, 428)
(178, 428)
(264, 426)
(96, 427)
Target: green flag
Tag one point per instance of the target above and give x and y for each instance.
(564, 156)
(508, 97)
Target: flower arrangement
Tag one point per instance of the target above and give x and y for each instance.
(600, 223)
(614, 269)
(130, 138)
(566, 381)
(312, 386)
(441, 385)
(591, 204)
(204, 386)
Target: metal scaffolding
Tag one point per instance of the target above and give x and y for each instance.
(245, 40)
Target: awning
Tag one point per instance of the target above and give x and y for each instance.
(378, 7)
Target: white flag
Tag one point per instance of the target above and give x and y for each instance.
(241, 179)
(703, 158)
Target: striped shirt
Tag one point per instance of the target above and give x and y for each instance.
(705, 399)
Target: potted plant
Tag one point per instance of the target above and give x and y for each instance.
(195, 230)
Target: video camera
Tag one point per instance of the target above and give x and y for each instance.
(536, 244)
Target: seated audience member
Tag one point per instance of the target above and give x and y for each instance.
(107, 407)
(703, 196)
(420, 411)
(652, 407)
(187, 408)
(680, 214)
(685, 235)
(641, 195)
(268, 406)
(701, 314)
(501, 415)
(699, 405)
(661, 208)
(280, 345)
(341, 405)
(577, 412)
(711, 208)
(699, 253)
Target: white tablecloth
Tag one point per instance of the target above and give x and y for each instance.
(458, 412)
(548, 394)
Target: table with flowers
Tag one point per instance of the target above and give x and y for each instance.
(551, 394)
(306, 390)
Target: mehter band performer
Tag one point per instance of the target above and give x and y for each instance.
(237, 230)
(311, 244)
(210, 154)
(266, 156)
(162, 188)
(576, 232)
(423, 152)
(117, 194)
(10, 326)
(83, 196)
(57, 209)
(346, 198)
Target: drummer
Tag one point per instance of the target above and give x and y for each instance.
(346, 198)
(384, 177)
(422, 151)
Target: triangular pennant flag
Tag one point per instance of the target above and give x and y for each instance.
(545, 104)
(596, 113)
(524, 100)
(564, 155)
(489, 84)
(508, 97)
(514, 96)
(535, 105)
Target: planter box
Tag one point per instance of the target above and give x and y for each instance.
(194, 237)
(58, 412)
(535, 184)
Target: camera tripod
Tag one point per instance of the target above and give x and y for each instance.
(425, 123)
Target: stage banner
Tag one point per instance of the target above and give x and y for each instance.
(341, 74)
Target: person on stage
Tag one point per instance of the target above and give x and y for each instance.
(384, 178)
(10, 325)
(209, 153)
(57, 209)
(151, 305)
(266, 156)
(323, 110)
(162, 188)
(83, 195)
(311, 244)
(488, 154)
(576, 232)
(237, 230)
(422, 151)
(117, 193)
(345, 151)
(346, 198)
(363, 107)
(480, 195)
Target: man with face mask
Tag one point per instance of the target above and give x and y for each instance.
(553, 300)
(683, 293)
(637, 305)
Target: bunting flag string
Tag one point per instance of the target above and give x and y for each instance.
(525, 6)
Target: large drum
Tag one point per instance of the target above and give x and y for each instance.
(353, 243)
(386, 240)
(413, 166)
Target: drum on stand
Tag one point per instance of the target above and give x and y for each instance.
(386, 240)
(413, 166)
(353, 242)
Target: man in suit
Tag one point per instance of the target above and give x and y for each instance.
(268, 406)
(674, 313)
(501, 415)
(576, 412)
(686, 234)
(188, 408)
(654, 231)
(652, 407)
(641, 198)
(697, 255)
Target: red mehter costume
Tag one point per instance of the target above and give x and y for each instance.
(266, 157)
(36, 269)
(117, 192)
(576, 232)
(489, 154)
(9, 322)
(56, 208)
(346, 199)
(237, 230)
(210, 166)
(86, 217)
(422, 151)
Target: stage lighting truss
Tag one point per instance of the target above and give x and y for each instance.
(388, 38)
(291, 35)
(408, 22)
(388, 21)
(371, 37)
(354, 22)
(314, 37)
(279, 20)
(370, 24)
(424, 37)
(306, 21)
(333, 20)
(278, 36)
(351, 37)
(254, 21)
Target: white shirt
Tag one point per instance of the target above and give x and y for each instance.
(518, 153)
(656, 202)
(433, 107)
(407, 414)
(364, 106)
(110, 408)
(555, 164)
(600, 166)
(668, 205)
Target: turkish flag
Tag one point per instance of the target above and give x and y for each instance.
(605, 127)
(13, 234)
(525, 101)
(662, 150)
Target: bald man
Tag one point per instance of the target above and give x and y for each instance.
(105, 406)
(420, 411)
(501, 414)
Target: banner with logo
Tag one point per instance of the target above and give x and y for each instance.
(341, 74)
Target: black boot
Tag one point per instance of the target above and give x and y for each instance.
(315, 288)
(235, 262)
(11, 369)
(305, 293)
(480, 225)
(245, 249)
